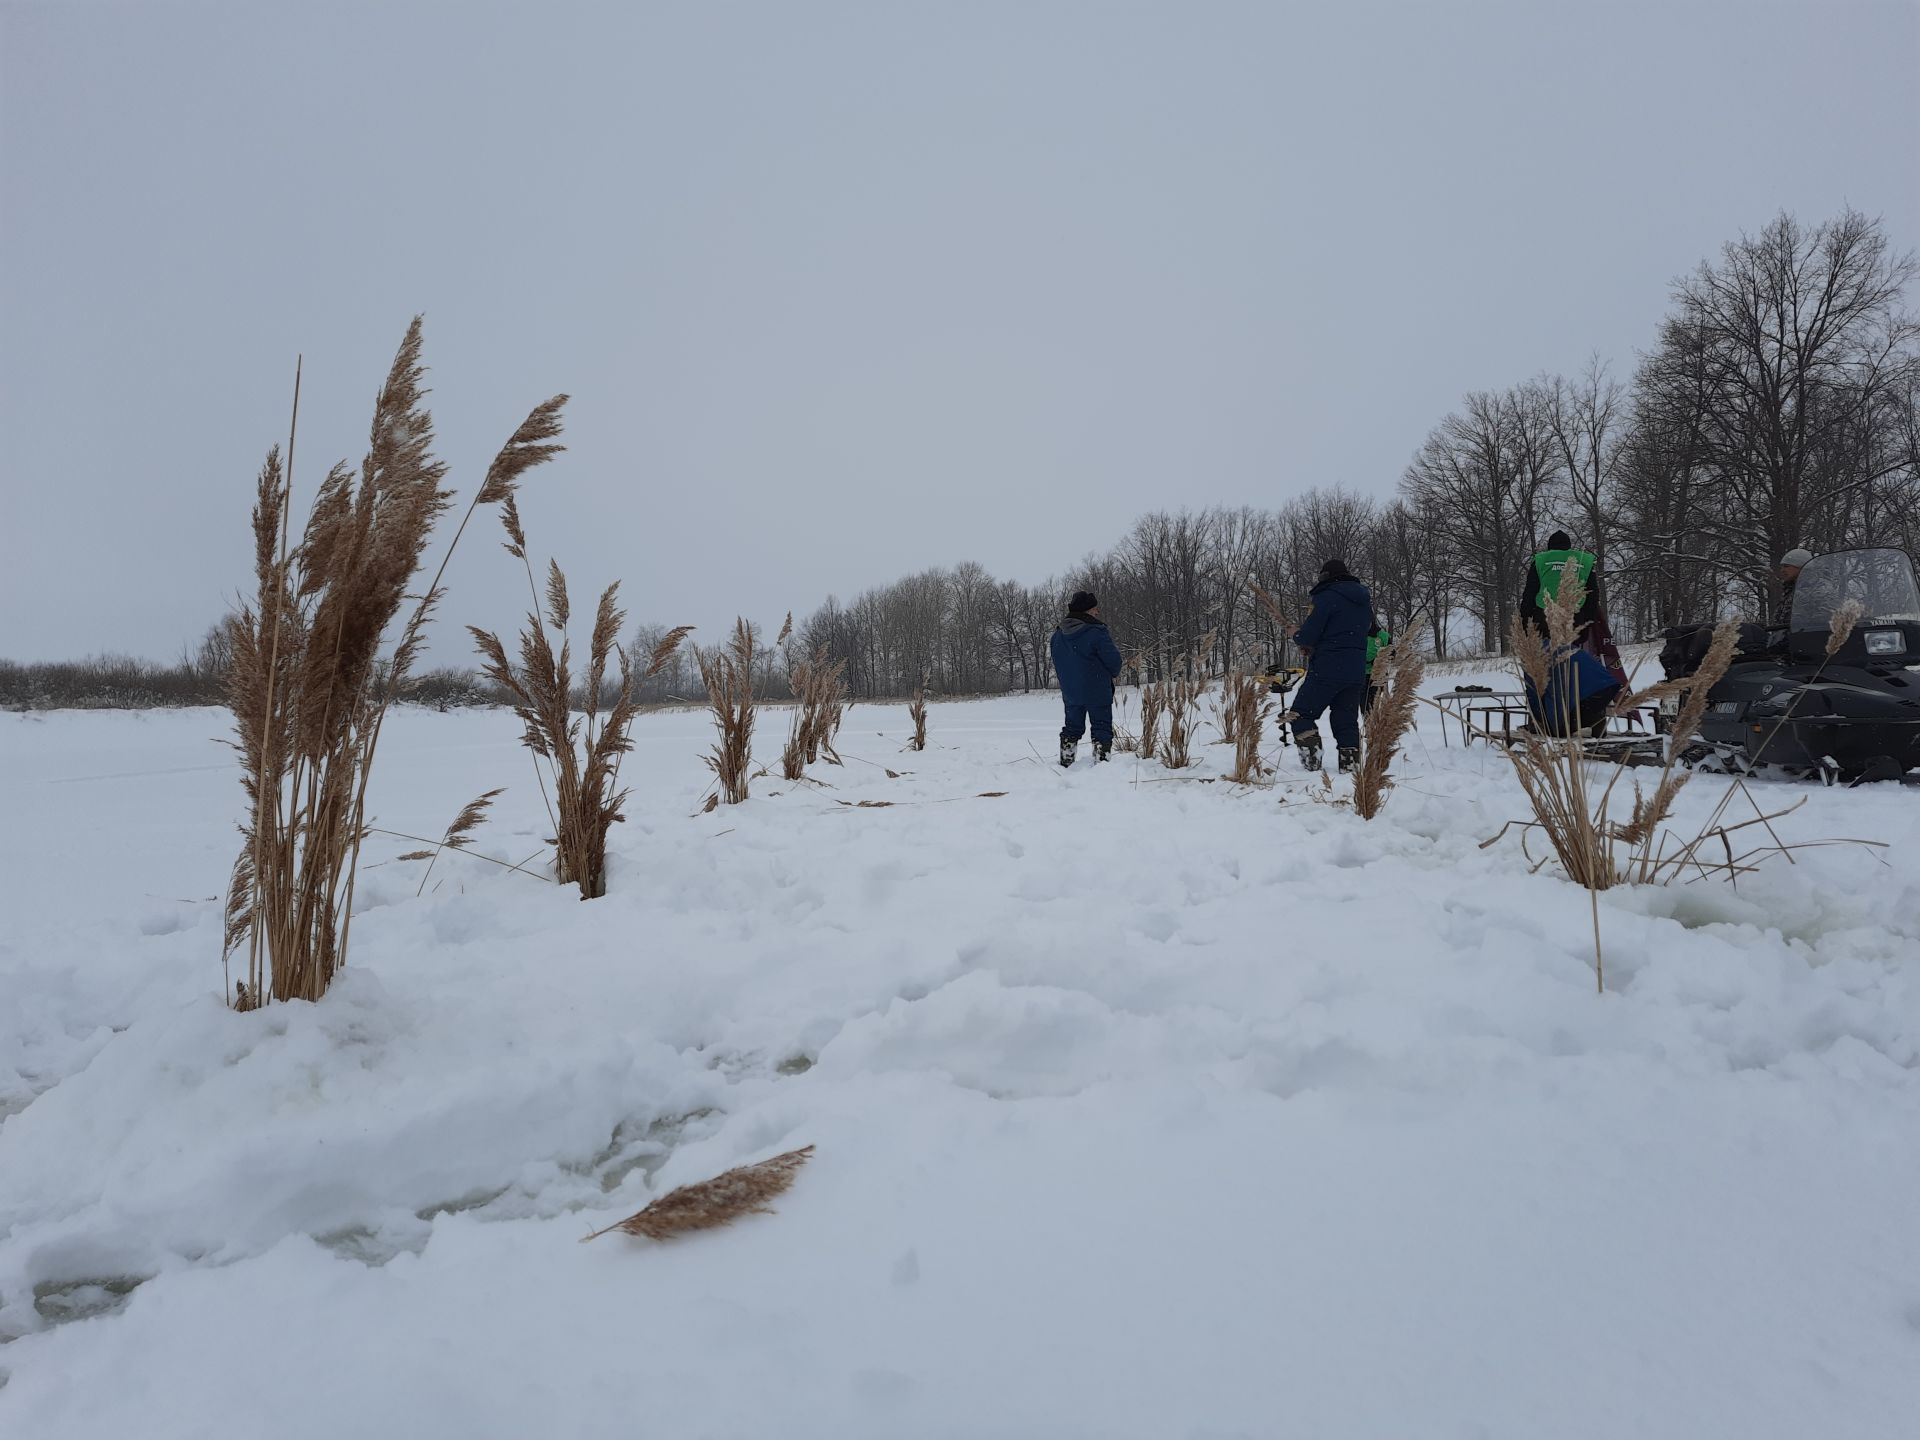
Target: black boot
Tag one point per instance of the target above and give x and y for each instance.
(1309, 751)
(1100, 749)
(1349, 758)
(1067, 749)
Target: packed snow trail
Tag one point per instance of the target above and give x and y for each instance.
(1144, 1107)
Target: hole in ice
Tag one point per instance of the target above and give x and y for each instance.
(60, 1301)
(372, 1248)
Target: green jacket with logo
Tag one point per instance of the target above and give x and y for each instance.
(1546, 573)
(1376, 642)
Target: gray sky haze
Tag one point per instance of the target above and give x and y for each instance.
(842, 291)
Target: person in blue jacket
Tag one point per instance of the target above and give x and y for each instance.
(1334, 640)
(1579, 690)
(1088, 664)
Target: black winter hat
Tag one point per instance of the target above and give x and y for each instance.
(1083, 601)
(1335, 570)
(1559, 540)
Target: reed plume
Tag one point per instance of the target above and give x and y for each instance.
(458, 835)
(576, 758)
(1182, 706)
(1386, 725)
(309, 684)
(917, 712)
(819, 689)
(1153, 706)
(707, 1204)
(1244, 708)
(727, 673)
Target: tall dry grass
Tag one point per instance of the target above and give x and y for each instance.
(576, 758)
(917, 713)
(1244, 708)
(819, 690)
(1153, 708)
(307, 658)
(1386, 725)
(1574, 810)
(1181, 713)
(727, 672)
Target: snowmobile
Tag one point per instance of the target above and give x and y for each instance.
(1789, 707)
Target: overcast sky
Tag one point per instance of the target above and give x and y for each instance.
(842, 291)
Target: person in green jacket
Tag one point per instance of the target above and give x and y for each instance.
(1377, 640)
(1548, 571)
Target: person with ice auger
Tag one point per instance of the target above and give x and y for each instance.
(1334, 640)
(1088, 664)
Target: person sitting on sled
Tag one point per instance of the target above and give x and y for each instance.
(1579, 689)
(1334, 640)
(1088, 664)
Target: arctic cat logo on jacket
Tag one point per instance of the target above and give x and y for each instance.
(1550, 567)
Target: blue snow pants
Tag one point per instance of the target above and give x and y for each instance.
(1335, 694)
(1099, 714)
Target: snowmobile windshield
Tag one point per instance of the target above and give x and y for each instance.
(1879, 582)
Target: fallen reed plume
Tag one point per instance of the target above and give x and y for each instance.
(1386, 725)
(706, 1204)
(308, 683)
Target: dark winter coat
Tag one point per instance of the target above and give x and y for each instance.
(1335, 634)
(1086, 660)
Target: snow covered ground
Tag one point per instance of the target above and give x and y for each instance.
(1144, 1107)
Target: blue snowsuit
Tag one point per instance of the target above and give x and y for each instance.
(1088, 664)
(1335, 637)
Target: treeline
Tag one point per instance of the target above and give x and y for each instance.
(198, 677)
(1779, 406)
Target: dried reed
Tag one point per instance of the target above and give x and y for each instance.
(819, 686)
(1153, 707)
(577, 759)
(917, 712)
(706, 1204)
(1594, 850)
(1272, 607)
(458, 835)
(727, 672)
(1182, 708)
(1244, 708)
(1386, 726)
(305, 683)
